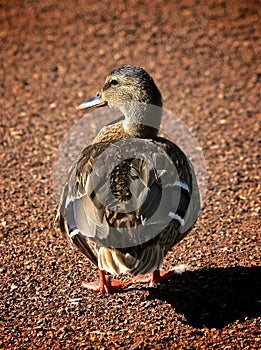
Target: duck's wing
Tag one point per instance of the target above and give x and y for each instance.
(70, 213)
(186, 184)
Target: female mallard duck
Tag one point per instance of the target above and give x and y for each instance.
(131, 195)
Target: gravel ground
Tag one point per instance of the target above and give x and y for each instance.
(205, 58)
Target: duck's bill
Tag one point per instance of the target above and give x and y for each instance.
(93, 102)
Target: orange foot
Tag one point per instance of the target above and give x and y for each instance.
(105, 284)
(158, 276)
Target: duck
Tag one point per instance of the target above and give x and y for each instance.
(132, 193)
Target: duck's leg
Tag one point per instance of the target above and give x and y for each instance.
(105, 284)
(158, 276)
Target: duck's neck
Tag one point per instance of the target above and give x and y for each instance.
(141, 120)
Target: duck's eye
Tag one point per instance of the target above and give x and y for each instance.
(114, 82)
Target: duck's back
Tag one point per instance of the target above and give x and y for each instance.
(127, 201)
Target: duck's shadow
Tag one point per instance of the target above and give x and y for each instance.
(213, 297)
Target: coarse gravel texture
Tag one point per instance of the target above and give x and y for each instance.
(205, 58)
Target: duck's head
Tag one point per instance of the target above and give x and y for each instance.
(131, 90)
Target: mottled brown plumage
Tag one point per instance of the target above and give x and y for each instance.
(94, 212)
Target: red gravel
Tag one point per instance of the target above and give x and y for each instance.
(205, 58)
